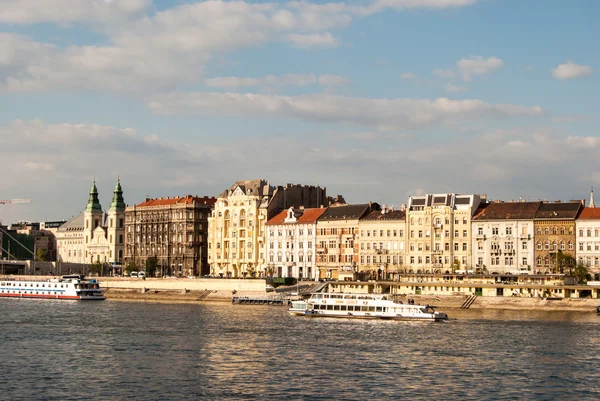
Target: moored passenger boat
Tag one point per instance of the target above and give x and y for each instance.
(374, 306)
(67, 287)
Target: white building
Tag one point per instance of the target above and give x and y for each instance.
(587, 238)
(292, 242)
(503, 237)
(94, 236)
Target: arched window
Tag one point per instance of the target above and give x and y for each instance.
(539, 261)
(547, 245)
(554, 230)
(539, 230)
(547, 230)
(562, 231)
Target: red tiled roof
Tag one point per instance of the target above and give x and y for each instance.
(188, 199)
(590, 213)
(308, 216)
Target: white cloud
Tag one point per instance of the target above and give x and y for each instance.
(24, 12)
(450, 87)
(307, 41)
(32, 66)
(478, 66)
(144, 50)
(398, 113)
(62, 158)
(163, 167)
(38, 166)
(332, 80)
(571, 70)
(444, 74)
(276, 81)
(408, 75)
(400, 5)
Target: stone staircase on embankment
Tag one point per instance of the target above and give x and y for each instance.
(468, 302)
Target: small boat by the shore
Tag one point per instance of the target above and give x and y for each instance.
(67, 287)
(373, 306)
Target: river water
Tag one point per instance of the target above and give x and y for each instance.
(65, 350)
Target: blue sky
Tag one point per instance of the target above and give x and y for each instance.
(374, 99)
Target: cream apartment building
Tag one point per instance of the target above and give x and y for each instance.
(439, 232)
(337, 240)
(503, 237)
(236, 229)
(382, 243)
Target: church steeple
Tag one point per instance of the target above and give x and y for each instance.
(592, 198)
(93, 203)
(117, 204)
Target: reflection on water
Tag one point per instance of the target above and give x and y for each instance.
(61, 350)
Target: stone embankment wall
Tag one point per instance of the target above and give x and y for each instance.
(510, 303)
(181, 284)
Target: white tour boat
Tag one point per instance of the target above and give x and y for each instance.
(67, 287)
(377, 306)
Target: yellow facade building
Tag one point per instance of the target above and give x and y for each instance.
(382, 244)
(439, 232)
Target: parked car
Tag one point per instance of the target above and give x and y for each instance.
(270, 288)
(133, 274)
(141, 274)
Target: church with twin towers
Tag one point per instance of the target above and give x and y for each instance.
(94, 235)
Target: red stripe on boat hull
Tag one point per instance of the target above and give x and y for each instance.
(41, 296)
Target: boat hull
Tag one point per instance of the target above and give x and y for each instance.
(431, 318)
(67, 297)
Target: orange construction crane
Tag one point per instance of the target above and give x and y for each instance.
(3, 202)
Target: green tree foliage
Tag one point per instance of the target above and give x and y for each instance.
(130, 267)
(151, 266)
(563, 263)
(96, 268)
(582, 273)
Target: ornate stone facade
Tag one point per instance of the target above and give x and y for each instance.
(292, 243)
(588, 238)
(439, 232)
(337, 240)
(554, 225)
(503, 237)
(174, 230)
(237, 226)
(94, 236)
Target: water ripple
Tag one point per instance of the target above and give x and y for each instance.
(57, 350)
